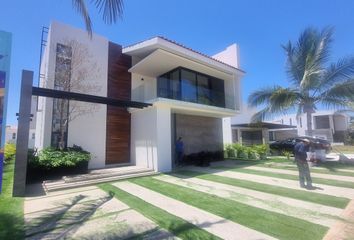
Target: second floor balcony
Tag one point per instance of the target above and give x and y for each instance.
(190, 86)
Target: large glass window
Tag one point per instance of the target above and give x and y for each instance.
(190, 86)
(60, 117)
(204, 93)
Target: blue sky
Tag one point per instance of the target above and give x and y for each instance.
(258, 26)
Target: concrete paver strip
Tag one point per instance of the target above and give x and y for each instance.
(321, 188)
(294, 172)
(53, 201)
(100, 217)
(214, 224)
(314, 167)
(343, 230)
(311, 212)
(117, 226)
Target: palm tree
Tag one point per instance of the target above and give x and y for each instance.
(313, 81)
(111, 10)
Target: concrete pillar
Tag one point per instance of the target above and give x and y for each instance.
(163, 133)
(19, 187)
(265, 136)
(331, 123)
(239, 134)
(227, 131)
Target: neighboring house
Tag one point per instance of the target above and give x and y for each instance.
(11, 136)
(330, 125)
(247, 133)
(193, 96)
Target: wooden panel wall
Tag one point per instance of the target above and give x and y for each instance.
(118, 119)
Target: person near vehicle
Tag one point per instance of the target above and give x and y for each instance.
(300, 153)
(179, 151)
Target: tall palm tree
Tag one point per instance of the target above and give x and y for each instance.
(313, 81)
(111, 10)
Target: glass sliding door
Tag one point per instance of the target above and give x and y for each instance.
(188, 86)
(217, 92)
(204, 96)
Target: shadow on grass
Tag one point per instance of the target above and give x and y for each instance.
(11, 226)
(66, 218)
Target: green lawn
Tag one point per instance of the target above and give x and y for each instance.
(319, 198)
(11, 209)
(330, 182)
(173, 224)
(271, 223)
(276, 162)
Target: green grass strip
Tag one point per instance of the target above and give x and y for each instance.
(173, 224)
(270, 223)
(327, 167)
(11, 208)
(319, 198)
(313, 169)
(330, 182)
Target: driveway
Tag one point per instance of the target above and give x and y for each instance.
(229, 200)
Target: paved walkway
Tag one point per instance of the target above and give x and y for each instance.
(321, 188)
(85, 213)
(216, 225)
(343, 230)
(296, 173)
(308, 211)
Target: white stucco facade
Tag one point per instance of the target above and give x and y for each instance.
(152, 145)
(11, 136)
(87, 130)
(325, 123)
(151, 128)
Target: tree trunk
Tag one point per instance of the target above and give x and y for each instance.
(62, 126)
(309, 123)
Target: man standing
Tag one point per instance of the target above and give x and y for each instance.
(300, 152)
(179, 151)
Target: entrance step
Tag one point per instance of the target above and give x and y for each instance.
(96, 177)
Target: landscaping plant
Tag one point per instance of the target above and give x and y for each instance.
(10, 151)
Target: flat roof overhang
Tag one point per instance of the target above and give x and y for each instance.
(161, 61)
(144, 48)
(264, 125)
(197, 109)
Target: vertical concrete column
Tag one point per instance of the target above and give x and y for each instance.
(164, 148)
(227, 131)
(265, 136)
(331, 123)
(24, 118)
(239, 135)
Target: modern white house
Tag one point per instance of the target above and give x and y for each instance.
(327, 124)
(11, 130)
(193, 96)
(11, 136)
(247, 133)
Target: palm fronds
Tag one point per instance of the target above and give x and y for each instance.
(312, 82)
(111, 10)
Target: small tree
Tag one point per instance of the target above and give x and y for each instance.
(76, 71)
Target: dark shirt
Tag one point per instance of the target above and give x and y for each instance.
(179, 146)
(300, 151)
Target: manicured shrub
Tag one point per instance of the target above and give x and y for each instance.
(262, 150)
(231, 152)
(9, 151)
(239, 151)
(51, 158)
(51, 163)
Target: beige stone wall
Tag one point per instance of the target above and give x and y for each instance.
(199, 133)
